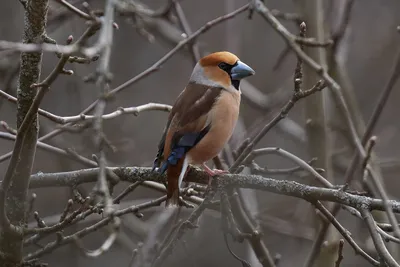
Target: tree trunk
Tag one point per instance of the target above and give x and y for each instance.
(11, 244)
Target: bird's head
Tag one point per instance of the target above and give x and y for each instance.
(221, 69)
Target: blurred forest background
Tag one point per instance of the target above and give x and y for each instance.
(362, 64)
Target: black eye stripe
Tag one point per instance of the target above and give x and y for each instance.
(227, 68)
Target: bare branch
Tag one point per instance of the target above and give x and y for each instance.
(259, 170)
(379, 244)
(287, 16)
(65, 153)
(186, 28)
(349, 175)
(127, 190)
(382, 192)
(188, 224)
(344, 233)
(342, 26)
(340, 253)
(27, 121)
(75, 10)
(251, 231)
(370, 145)
(104, 47)
(283, 187)
(283, 113)
(311, 42)
(151, 247)
(394, 75)
(16, 183)
(332, 84)
(304, 165)
(105, 246)
(71, 238)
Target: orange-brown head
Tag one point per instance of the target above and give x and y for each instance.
(222, 69)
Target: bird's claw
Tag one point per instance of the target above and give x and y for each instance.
(213, 172)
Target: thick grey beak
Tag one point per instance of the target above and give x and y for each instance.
(241, 70)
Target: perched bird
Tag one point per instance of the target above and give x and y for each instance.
(202, 119)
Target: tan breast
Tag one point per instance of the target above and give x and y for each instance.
(223, 117)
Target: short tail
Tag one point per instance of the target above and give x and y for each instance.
(175, 175)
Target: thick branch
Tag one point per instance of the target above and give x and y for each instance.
(15, 184)
(282, 187)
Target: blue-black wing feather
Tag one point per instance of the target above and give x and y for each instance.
(181, 145)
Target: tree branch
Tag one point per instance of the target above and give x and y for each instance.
(15, 184)
(377, 239)
(344, 233)
(289, 38)
(283, 187)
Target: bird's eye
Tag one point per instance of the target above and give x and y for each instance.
(224, 66)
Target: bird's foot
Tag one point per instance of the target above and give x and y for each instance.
(213, 172)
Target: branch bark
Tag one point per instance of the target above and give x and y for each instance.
(282, 187)
(16, 185)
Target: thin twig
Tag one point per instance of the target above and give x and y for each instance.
(28, 118)
(386, 236)
(151, 246)
(340, 253)
(287, 16)
(344, 233)
(106, 244)
(370, 145)
(338, 34)
(289, 38)
(282, 114)
(252, 231)
(127, 190)
(259, 170)
(90, 229)
(75, 10)
(377, 239)
(229, 226)
(63, 152)
(66, 210)
(382, 193)
(104, 44)
(298, 72)
(187, 30)
(381, 103)
(188, 224)
(298, 161)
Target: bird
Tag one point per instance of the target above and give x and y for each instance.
(201, 120)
